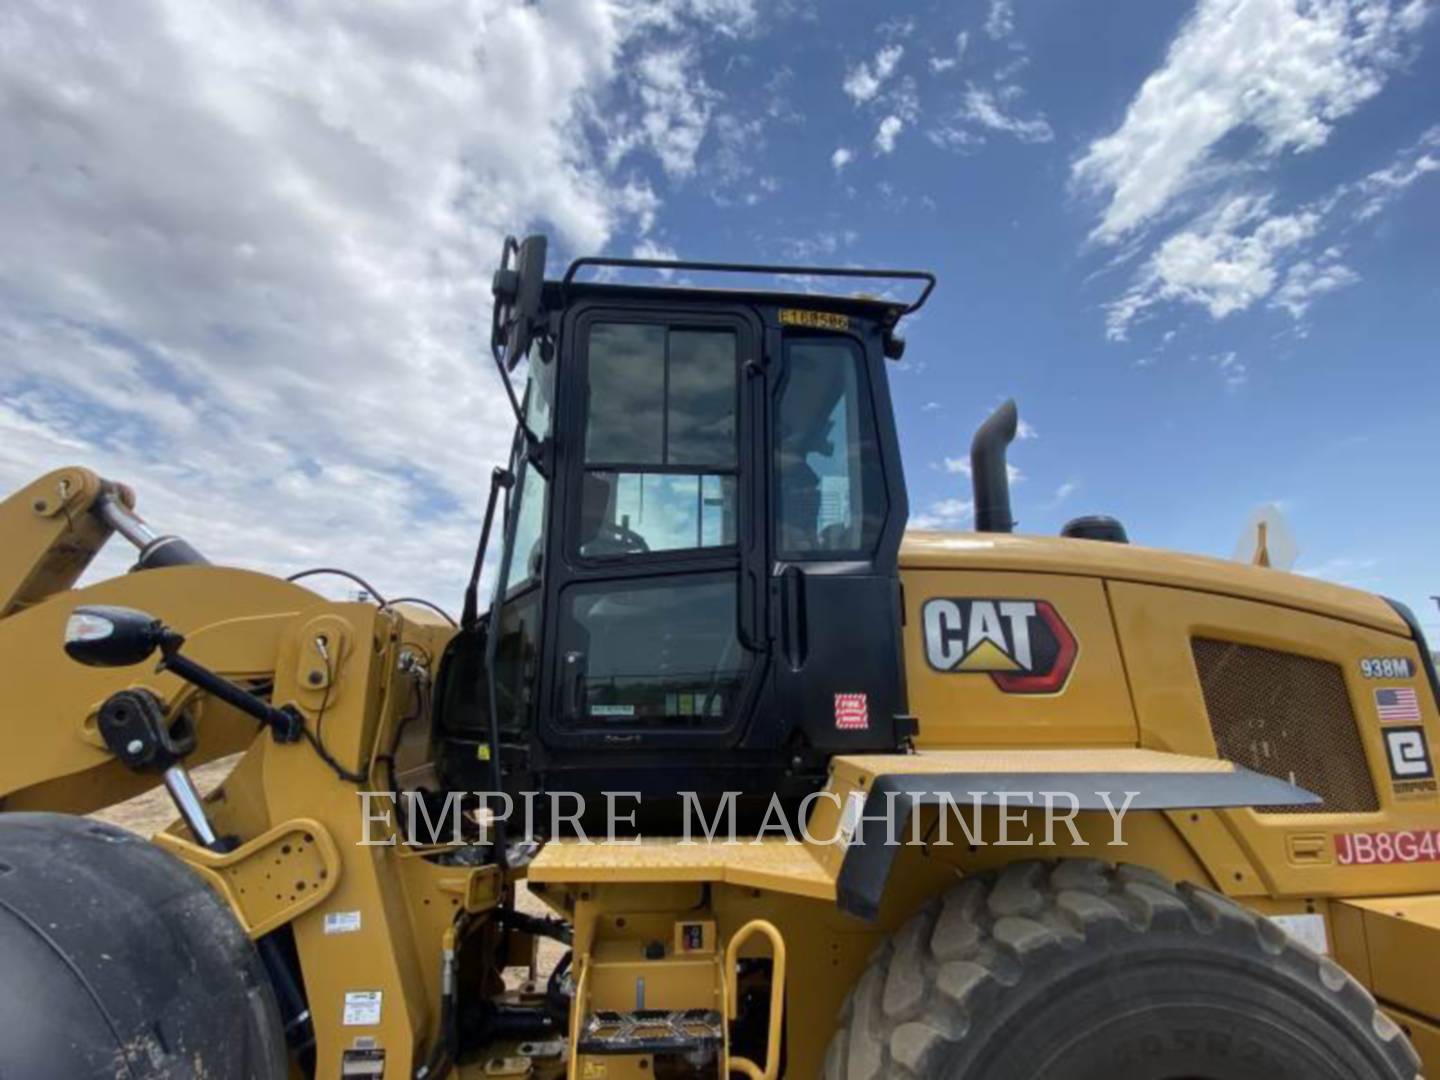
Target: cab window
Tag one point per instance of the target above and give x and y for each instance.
(830, 488)
(651, 653)
(517, 651)
(527, 552)
(660, 461)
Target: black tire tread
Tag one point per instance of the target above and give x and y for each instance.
(943, 970)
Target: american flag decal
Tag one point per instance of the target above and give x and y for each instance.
(1397, 703)
(852, 712)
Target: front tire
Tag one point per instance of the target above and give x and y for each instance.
(120, 963)
(1076, 970)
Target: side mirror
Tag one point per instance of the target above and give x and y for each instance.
(104, 636)
(517, 294)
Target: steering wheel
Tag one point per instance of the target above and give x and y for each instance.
(615, 539)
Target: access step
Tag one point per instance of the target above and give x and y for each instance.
(651, 1031)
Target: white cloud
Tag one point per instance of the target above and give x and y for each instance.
(842, 156)
(246, 260)
(1285, 69)
(886, 134)
(1342, 569)
(1000, 20)
(1232, 369)
(726, 18)
(1224, 263)
(954, 137)
(732, 18)
(863, 81)
(961, 466)
(1063, 492)
(940, 64)
(931, 406)
(1383, 185)
(943, 514)
(1307, 279)
(652, 249)
(983, 107)
(675, 107)
(1239, 252)
(897, 27)
(1025, 430)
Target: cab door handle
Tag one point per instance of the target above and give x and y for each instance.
(574, 683)
(792, 617)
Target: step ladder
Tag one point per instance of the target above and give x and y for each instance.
(637, 1000)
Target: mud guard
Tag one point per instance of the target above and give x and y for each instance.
(868, 859)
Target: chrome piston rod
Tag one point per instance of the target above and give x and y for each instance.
(155, 551)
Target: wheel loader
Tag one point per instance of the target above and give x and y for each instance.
(787, 790)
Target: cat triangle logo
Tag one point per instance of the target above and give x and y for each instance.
(987, 657)
(1023, 645)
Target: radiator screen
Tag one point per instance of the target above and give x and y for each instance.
(1287, 716)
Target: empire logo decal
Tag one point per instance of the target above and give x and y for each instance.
(1023, 645)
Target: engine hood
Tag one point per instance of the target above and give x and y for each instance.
(1128, 562)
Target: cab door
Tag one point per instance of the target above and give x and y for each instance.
(658, 636)
(839, 510)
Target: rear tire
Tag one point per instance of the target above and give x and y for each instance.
(120, 962)
(1077, 970)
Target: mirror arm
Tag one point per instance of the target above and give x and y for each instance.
(532, 441)
(470, 613)
(281, 722)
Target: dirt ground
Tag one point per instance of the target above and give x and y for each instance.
(148, 814)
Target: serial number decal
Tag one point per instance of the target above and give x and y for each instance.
(362, 1008)
(1387, 667)
(1384, 848)
(816, 320)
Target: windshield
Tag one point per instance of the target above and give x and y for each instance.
(525, 555)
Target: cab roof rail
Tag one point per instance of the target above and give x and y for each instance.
(758, 268)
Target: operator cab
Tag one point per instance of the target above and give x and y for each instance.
(703, 503)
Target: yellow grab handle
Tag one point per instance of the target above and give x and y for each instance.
(777, 997)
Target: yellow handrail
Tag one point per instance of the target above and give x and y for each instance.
(777, 997)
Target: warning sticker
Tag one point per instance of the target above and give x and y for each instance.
(362, 1007)
(1384, 848)
(612, 710)
(850, 817)
(852, 712)
(342, 922)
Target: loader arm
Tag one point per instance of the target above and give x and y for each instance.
(50, 532)
(48, 536)
(58, 760)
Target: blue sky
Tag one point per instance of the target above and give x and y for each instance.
(1198, 243)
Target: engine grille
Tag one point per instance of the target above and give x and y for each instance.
(1287, 716)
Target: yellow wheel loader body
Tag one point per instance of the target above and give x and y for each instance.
(1253, 747)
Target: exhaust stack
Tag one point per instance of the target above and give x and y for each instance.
(988, 474)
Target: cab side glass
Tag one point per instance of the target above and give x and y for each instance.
(527, 552)
(831, 490)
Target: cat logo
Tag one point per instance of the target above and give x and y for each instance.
(1023, 645)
